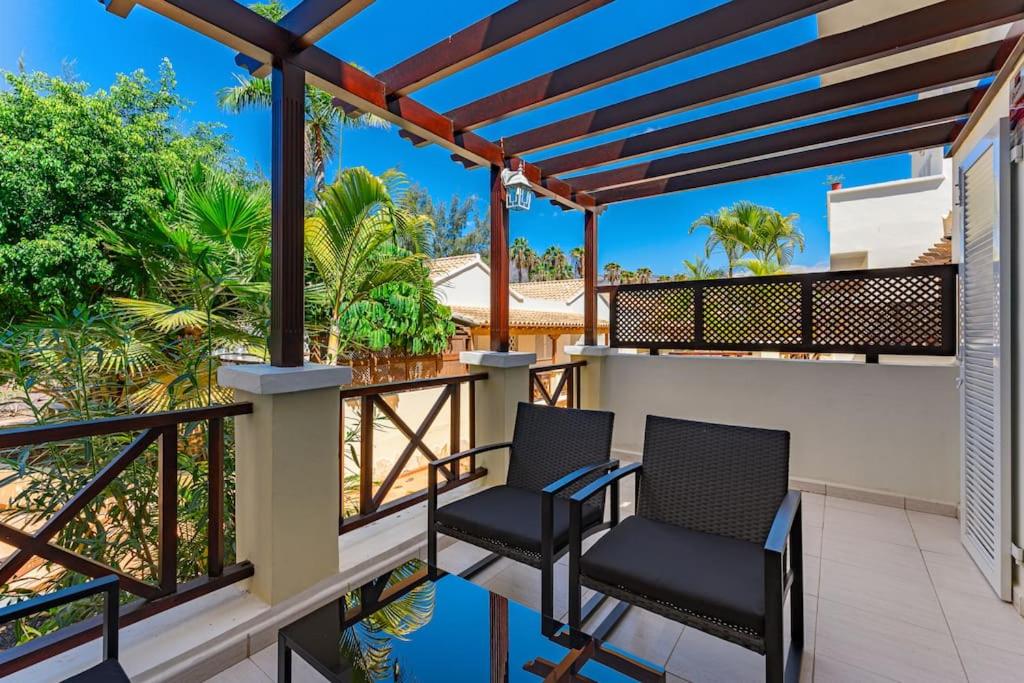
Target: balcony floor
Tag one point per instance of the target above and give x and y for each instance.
(891, 596)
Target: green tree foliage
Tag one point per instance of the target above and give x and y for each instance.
(456, 227)
(71, 159)
(749, 230)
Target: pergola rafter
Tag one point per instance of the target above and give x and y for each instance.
(503, 30)
(927, 137)
(288, 51)
(715, 27)
(955, 106)
(972, 64)
(926, 26)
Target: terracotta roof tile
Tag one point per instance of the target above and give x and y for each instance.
(524, 318)
(554, 290)
(940, 254)
(440, 267)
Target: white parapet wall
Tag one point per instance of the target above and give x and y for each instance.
(890, 428)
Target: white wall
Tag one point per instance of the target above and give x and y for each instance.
(892, 223)
(892, 428)
(471, 287)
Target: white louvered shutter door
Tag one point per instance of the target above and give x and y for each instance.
(984, 356)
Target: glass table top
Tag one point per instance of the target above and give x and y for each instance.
(405, 627)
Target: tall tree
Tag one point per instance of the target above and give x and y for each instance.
(578, 256)
(523, 257)
(325, 123)
(456, 227)
(72, 158)
(698, 269)
(643, 275)
(612, 273)
(556, 263)
(745, 229)
(351, 240)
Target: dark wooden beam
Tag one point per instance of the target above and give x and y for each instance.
(953, 69)
(499, 264)
(310, 21)
(939, 109)
(729, 22)
(287, 280)
(503, 30)
(239, 27)
(894, 143)
(121, 8)
(590, 278)
(926, 26)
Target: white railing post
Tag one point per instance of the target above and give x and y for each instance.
(590, 374)
(287, 485)
(497, 398)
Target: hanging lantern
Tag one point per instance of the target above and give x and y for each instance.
(518, 193)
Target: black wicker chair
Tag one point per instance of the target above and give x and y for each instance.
(107, 671)
(554, 452)
(707, 545)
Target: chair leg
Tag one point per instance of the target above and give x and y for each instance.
(547, 590)
(284, 661)
(796, 593)
(774, 637)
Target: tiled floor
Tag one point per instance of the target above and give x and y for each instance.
(890, 596)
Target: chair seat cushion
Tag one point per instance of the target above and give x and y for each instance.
(712, 576)
(107, 672)
(511, 516)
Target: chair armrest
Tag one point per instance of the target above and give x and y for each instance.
(455, 457)
(108, 585)
(570, 479)
(604, 482)
(783, 524)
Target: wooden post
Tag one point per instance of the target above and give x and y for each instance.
(288, 194)
(499, 264)
(590, 279)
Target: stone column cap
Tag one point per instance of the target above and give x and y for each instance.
(593, 351)
(266, 380)
(496, 359)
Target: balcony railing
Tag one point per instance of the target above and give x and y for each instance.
(906, 311)
(364, 497)
(160, 591)
(557, 384)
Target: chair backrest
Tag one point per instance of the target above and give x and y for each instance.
(550, 443)
(717, 479)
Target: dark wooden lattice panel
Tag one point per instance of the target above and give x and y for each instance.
(761, 314)
(659, 315)
(894, 312)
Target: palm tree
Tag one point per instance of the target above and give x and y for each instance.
(778, 237)
(324, 121)
(726, 233)
(699, 269)
(523, 257)
(351, 240)
(763, 266)
(578, 260)
(556, 263)
(628, 277)
(643, 275)
(612, 273)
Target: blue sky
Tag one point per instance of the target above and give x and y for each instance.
(652, 233)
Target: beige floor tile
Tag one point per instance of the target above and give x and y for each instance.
(885, 645)
(699, 657)
(827, 670)
(812, 574)
(646, 635)
(810, 498)
(909, 600)
(884, 511)
(243, 672)
(460, 555)
(983, 619)
(891, 527)
(892, 559)
(956, 574)
(812, 541)
(814, 513)
(302, 672)
(986, 664)
(937, 533)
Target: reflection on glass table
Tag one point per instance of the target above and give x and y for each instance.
(407, 627)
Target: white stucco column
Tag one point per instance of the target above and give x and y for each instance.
(507, 383)
(287, 486)
(591, 373)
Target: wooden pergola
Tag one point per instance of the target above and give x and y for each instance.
(288, 53)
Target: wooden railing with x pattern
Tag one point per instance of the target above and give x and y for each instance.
(161, 429)
(374, 412)
(549, 382)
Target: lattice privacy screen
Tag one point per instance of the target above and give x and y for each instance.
(894, 310)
